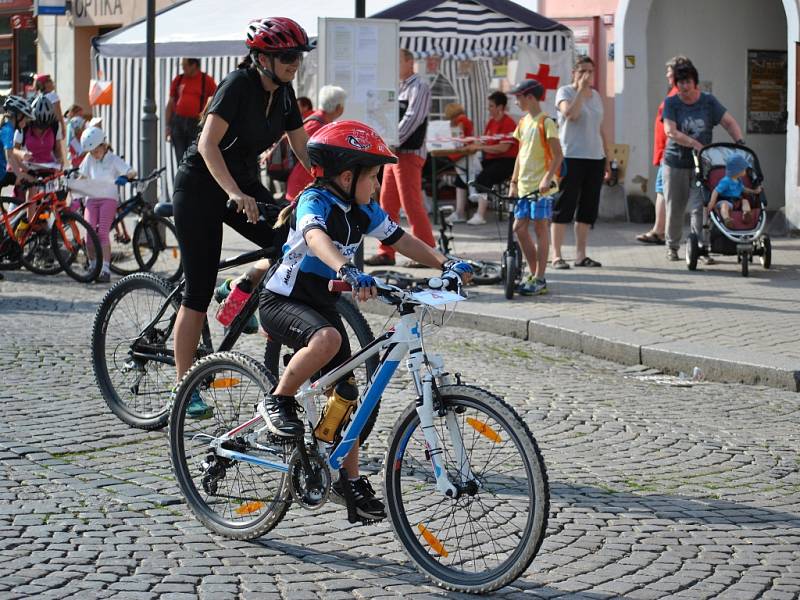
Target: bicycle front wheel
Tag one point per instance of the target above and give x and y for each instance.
(488, 535)
(77, 247)
(155, 246)
(233, 498)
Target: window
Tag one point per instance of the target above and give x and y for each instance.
(442, 94)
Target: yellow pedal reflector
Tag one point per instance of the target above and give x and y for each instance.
(225, 382)
(249, 508)
(434, 543)
(484, 429)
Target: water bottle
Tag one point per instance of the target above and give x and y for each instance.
(235, 301)
(340, 406)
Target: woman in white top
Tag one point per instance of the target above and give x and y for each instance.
(109, 171)
(580, 120)
(45, 85)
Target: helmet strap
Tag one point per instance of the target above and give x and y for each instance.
(269, 74)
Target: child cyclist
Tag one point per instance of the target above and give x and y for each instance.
(538, 161)
(331, 216)
(102, 165)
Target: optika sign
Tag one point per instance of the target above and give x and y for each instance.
(99, 11)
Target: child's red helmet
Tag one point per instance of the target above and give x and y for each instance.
(345, 146)
(276, 34)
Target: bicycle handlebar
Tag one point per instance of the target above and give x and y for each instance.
(40, 181)
(397, 296)
(153, 175)
(487, 190)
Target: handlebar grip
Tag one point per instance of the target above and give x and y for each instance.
(231, 205)
(337, 285)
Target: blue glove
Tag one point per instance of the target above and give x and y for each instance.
(121, 180)
(457, 266)
(357, 279)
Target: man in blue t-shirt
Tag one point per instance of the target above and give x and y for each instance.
(689, 119)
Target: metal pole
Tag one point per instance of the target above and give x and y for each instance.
(148, 149)
(361, 12)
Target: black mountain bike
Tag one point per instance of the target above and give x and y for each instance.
(132, 341)
(148, 244)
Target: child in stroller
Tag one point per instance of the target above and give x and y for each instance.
(730, 190)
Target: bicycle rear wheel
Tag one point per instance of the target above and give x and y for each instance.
(38, 255)
(137, 389)
(155, 246)
(77, 247)
(232, 498)
(123, 260)
(489, 534)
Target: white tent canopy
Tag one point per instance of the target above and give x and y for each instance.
(208, 28)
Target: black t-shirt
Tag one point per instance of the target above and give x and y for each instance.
(242, 102)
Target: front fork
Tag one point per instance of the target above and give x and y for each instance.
(424, 381)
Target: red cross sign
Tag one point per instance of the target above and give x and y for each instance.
(543, 76)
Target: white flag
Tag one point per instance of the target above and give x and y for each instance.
(552, 69)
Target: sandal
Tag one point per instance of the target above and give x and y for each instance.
(587, 262)
(650, 237)
(560, 263)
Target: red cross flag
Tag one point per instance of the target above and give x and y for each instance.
(551, 69)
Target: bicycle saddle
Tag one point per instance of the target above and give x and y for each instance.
(163, 209)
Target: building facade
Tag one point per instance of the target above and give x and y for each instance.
(17, 46)
(64, 43)
(746, 53)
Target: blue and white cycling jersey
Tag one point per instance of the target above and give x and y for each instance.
(301, 275)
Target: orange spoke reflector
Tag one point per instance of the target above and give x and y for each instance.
(434, 543)
(484, 429)
(174, 253)
(225, 382)
(249, 508)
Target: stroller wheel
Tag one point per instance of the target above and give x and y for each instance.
(766, 252)
(692, 251)
(745, 260)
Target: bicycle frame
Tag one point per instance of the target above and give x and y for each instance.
(404, 339)
(46, 201)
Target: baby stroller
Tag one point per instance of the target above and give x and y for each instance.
(743, 239)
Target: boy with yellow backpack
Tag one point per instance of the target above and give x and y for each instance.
(538, 168)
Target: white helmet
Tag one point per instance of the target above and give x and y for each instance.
(92, 137)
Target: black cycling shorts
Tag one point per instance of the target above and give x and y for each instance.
(292, 323)
(200, 210)
(495, 171)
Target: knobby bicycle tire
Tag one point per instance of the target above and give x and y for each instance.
(84, 261)
(113, 364)
(489, 504)
(231, 498)
(355, 321)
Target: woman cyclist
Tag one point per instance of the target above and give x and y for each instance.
(296, 308)
(252, 108)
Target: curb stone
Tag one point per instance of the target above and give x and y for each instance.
(628, 347)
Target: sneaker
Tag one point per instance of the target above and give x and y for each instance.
(532, 287)
(672, 254)
(707, 260)
(367, 506)
(455, 218)
(197, 408)
(476, 220)
(104, 277)
(280, 415)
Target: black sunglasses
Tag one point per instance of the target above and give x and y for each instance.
(288, 57)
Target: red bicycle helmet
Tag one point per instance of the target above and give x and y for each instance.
(276, 34)
(345, 146)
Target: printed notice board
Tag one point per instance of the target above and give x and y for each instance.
(361, 56)
(767, 91)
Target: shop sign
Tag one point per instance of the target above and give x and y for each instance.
(7, 5)
(22, 21)
(103, 12)
(767, 91)
(51, 7)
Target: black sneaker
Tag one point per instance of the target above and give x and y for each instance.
(367, 506)
(280, 414)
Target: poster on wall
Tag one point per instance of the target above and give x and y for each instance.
(767, 88)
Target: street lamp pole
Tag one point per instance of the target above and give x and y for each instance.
(361, 12)
(148, 150)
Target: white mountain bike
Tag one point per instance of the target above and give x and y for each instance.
(464, 482)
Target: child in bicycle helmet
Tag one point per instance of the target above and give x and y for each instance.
(108, 171)
(327, 225)
(17, 114)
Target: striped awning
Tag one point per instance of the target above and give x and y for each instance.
(466, 29)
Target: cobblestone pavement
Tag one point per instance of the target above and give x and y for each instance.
(657, 490)
(638, 291)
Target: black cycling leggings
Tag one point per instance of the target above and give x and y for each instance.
(292, 323)
(200, 210)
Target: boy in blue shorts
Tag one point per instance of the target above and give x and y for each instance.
(538, 161)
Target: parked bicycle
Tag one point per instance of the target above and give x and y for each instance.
(55, 239)
(485, 272)
(465, 483)
(132, 342)
(512, 264)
